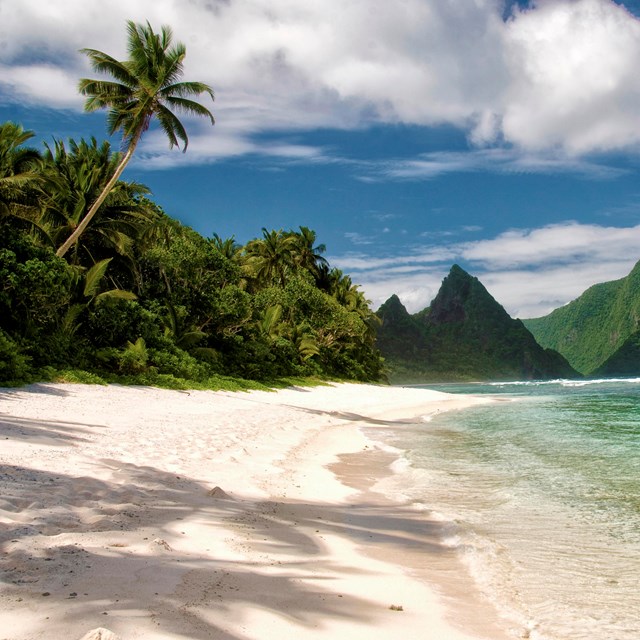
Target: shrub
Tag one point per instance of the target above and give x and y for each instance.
(180, 364)
(115, 322)
(15, 367)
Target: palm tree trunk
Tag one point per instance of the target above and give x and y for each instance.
(77, 232)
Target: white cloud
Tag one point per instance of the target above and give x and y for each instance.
(44, 83)
(358, 238)
(531, 294)
(497, 160)
(205, 148)
(427, 256)
(559, 243)
(561, 75)
(530, 272)
(415, 292)
(574, 80)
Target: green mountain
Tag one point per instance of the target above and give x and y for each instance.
(463, 335)
(624, 362)
(590, 330)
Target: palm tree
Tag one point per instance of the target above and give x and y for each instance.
(17, 169)
(145, 87)
(308, 256)
(73, 177)
(228, 247)
(354, 300)
(270, 259)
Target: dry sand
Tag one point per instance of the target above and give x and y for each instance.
(212, 515)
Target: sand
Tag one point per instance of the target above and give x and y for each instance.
(158, 514)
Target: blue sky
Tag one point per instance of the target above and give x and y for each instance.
(504, 137)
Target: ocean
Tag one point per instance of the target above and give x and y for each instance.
(539, 493)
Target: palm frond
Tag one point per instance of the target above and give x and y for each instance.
(69, 324)
(105, 90)
(190, 107)
(103, 63)
(172, 127)
(93, 277)
(119, 294)
(270, 319)
(173, 67)
(189, 339)
(183, 89)
(308, 347)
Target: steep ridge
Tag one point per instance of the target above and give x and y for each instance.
(592, 328)
(624, 362)
(463, 335)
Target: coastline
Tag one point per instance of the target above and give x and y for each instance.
(167, 514)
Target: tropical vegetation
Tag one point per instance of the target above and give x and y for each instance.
(97, 282)
(590, 330)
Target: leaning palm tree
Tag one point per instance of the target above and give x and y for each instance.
(73, 177)
(146, 86)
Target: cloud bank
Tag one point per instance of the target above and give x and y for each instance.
(559, 75)
(529, 271)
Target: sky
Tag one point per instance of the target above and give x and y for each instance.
(410, 135)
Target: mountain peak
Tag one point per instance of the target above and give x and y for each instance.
(463, 334)
(456, 269)
(393, 306)
(463, 297)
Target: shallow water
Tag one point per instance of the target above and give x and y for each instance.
(542, 493)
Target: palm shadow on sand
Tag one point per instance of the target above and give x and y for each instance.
(56, 550)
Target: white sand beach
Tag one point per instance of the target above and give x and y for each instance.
(162, 514)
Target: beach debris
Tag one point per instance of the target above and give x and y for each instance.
(396, 607)
(100, 634)
(162, 543)
(219, 494)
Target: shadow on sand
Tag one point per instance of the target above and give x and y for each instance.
(70, 540)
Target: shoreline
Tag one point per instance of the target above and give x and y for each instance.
(421, 550)
(168, 514)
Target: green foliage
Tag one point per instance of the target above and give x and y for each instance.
(181, 364)
(15, 366)
(134, 357)
(75, 376)
(143, 298)
(72, 179)
(187, 271)
(18, 175)
(589, 330)
(625, 361)
(115, 322)
(35, 285)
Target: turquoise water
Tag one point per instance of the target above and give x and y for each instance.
(541, 493)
